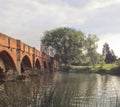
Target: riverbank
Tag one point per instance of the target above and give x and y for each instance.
(113, 69)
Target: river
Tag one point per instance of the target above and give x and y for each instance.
(62, 90)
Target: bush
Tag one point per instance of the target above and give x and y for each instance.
(115, 71)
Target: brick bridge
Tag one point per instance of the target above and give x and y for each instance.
(18, 56)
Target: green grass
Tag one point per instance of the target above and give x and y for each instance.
(109, 66)
(106, 67)
(80, 68)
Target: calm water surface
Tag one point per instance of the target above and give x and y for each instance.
(62, 90)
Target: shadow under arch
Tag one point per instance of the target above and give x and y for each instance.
(7, 61)
(25, 64)
(45, 64)
(37, 64)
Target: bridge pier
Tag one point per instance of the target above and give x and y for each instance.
(19, 67)
(33, 58)
(18, 56)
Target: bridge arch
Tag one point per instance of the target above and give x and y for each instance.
(25, 64)
(7, 61)
(37, 64)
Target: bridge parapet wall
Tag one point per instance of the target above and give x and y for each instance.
(37, 53)
(4, 40)
(7, 41)
(26, 48)
(12, 43)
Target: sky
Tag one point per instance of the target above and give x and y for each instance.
(27, 20)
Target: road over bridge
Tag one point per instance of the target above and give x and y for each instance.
(18, 56)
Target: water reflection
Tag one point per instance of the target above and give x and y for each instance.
(21, 94)
(62, 90)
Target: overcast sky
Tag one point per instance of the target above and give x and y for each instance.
(27, 20)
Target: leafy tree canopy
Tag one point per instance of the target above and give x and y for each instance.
(66, 41)
(71, 45)
(90, 47)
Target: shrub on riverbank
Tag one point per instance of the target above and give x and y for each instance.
(115, 71)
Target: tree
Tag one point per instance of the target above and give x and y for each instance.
(90, 47)
(66, 41)
(108, 55)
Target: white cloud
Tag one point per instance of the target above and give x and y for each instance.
(28, 19)
(28, 12)
(97, 4)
